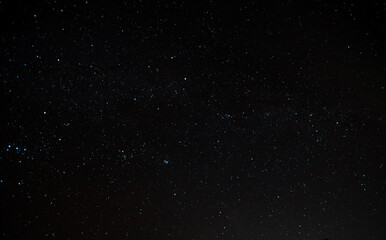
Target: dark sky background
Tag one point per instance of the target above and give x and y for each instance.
(258, 120)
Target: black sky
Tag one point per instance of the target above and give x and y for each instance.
(192, 120)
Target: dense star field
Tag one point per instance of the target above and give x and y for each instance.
(258, 120)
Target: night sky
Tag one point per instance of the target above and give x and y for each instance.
(258, 120)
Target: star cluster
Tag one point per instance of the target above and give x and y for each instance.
(187, 120)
